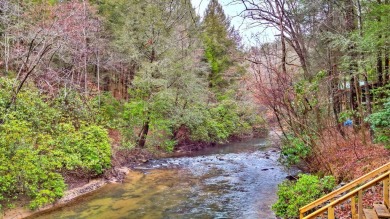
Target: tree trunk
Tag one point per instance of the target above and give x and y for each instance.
(387, 60)
(85, 49)
(386, 78)
(279, 8)
(368, 102)
(98, 73)
(143, 134)
(6, 52)
(379, 67)
(379, 58)
(145, 128)
(334, 92)
(353, 66)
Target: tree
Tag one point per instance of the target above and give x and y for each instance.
(160, 39)
(221, 48)
(287, 17)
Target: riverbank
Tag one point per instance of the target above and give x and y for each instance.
(72, 194)
(79, 186)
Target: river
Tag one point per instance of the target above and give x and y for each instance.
(236, 180)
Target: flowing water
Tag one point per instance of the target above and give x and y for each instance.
(237, 180)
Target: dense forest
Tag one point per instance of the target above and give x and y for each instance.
(84, 81)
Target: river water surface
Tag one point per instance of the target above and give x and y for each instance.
(236, 180)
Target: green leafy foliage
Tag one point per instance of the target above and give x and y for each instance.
(218, 61)
(154, 111)
(221, 49)
(26, 167)
(73, 107)
(381, 96)
(293, 195)
(224, 120)
(87, 147)
(294, 150)
(380, 123)
(171, 86)
(39, 139)
(107, 110)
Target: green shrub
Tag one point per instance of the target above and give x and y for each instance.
(293, 195)
(41, 137)
(88, 147)
(294, 150)
(26, 169)
(222, 121)
(95, 149)
(73, 108)
(107, 110)
(169, 145)
(380, 123)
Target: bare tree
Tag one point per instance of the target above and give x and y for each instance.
(282, 15)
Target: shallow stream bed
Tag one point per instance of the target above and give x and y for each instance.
(236, 180)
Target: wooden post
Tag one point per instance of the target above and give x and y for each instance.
(331, 212)
(360, 204)
(300, 215)
(386, 191)
(353, 207)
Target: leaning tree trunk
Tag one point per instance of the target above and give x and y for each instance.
(143, 134)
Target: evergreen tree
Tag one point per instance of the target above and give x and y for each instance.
(220, 47)
(160, 38)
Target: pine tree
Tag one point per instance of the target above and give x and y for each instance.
(160, 38)
(220, 46)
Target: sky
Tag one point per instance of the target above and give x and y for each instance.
(233, 10)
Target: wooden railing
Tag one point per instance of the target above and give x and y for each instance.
(349, 191)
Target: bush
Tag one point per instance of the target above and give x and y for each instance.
(88, 148)
(380, 123)
(94, 148)
(293, 195)
(107, 110)
(222, 121)
(73, 108)
(41, 137)
(294, 150)
(26, 169)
